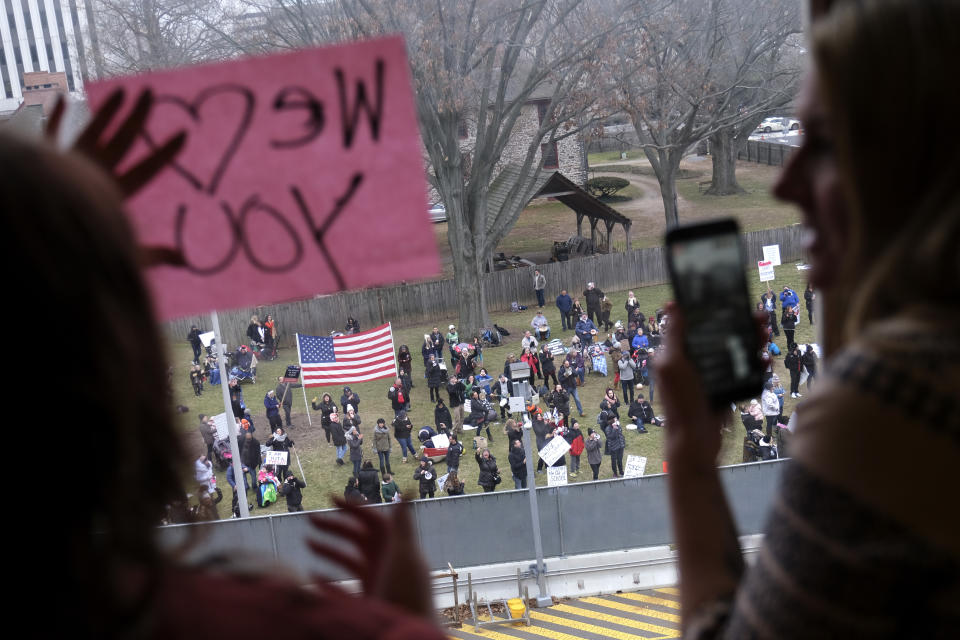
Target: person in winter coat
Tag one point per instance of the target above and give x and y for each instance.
(351, 398)
(250, 457)
(794, 363)
(768, 302)
(427, 477)
(434, 377)
(564, 305)
(594, 454)
(405, 359)
(272, 405)
(593, 296)
(568, 379)
(500, 391)
(338, 435)
(280, 441)
(427, 349)
(195, 343)
(398, 397)
(388, 488)
(206, 509)
(632, 305)
(789, 298)
(641, 412)
(560, 400)
(756, 411)
(540, 430)
(208, 431)
(291, 490)
(770, 406)
(352, 326)
(326, 407)
(518, 465)
(789, 324)
(610, 403)
(284, 393)
(203, 473)
(381, 444)
(614, 447)
(442, 419)
(548, 366)
(402, 430)
(456, 391)
(574, 436)
(585, 330)
(454, 486)
(489, 473)
(355, 443)
(809, 295)
(368, 482)
(352, 494)
(529, 356)
(606, 306)
(809, 360)
(627, 368)
(514, 432)
(454, 452)
(478, 414)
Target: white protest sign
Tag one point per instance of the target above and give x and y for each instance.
(554, 449)
(556, 476)
(466, 405)
(516, 404)
(206, 339)
(635, 467)
(220, 420)
(278, 458)
(440, 441)
(442, 480)
(766, 270)
(771, 253)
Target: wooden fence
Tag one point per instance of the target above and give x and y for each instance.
(426, 302)
(770, 153)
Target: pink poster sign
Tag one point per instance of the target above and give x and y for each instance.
(302, 174)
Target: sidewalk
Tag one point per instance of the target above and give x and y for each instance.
(644, 615)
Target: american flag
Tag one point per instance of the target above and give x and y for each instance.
(354, 358)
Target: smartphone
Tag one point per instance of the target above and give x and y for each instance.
(706, 268)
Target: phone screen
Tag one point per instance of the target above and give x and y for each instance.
(706, 265)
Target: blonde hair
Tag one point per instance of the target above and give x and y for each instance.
(905, 215)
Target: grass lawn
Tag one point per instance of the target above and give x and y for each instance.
(612, 156)
(325, 479)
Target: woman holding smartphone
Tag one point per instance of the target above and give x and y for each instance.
(848, 542)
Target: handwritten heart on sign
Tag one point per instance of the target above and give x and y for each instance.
(231, 102)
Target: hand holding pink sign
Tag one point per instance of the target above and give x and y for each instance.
(302, 174)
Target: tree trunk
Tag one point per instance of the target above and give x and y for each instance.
(723, 152)
(665, 163)
(468, 276)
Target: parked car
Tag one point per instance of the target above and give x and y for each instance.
(438, 212)
(770, 125)
(793, 124)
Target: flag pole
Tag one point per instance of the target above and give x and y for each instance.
(302, 477)
(303, 386)
(238, 475)
(393, 349)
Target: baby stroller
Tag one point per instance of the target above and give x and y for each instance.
(222, 455)
(434, 444)
(267, 484)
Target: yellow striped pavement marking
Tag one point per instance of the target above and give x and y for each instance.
(625, 622)
(633, 608)
(671, 590)
(489, 632)
(673, 604)
(584, 626)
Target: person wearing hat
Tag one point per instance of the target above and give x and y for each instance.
(291, 490)
(789, 298)
(452, 339)
(769, 406)
(355, 442)
(594, 454)
(381, 444)
(250, 457)
(585, 330)
(398, 397)
(541, 326)
(283, 392)
(351, 398)
(427, 477)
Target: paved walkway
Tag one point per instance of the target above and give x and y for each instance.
(645, 615)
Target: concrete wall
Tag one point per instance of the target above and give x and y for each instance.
(495, 528)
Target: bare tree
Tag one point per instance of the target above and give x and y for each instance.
(476, 67)
(141, 35)
(682, 76)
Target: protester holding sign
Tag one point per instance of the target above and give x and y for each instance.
(280, 441)
(283, 393)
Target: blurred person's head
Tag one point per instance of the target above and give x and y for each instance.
(66, 234)
(883, 235)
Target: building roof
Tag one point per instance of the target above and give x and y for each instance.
(550, 184)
